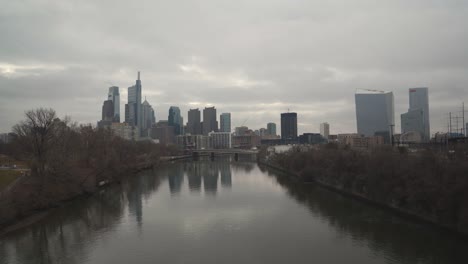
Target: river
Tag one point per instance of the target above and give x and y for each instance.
(225, 211)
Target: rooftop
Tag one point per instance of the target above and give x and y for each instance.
(368, 91)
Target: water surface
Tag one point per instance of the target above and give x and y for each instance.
(225, 212)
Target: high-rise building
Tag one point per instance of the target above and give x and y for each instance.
(225, 122)
(209, 120)
(148, 118)
(325, 130)
(417, 117)
(271, 127)
(108, 111)
(114, 96)
(289, 126)
(133, 107)
(175, 120)
(375, 113)
(194, 122)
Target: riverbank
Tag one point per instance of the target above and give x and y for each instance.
(310, 175)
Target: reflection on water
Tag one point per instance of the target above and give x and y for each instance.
(225, 212)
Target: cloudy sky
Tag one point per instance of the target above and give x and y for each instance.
(255, 59)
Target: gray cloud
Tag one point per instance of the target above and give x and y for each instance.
(255, 59)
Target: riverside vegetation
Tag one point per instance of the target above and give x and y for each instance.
(429, 185)
(67, 160)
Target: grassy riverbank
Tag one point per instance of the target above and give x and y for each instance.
(427, 185)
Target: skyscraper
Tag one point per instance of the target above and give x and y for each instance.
(108, 111)
(325, 130)
(417, 117)
(114, 96)
(374, 113)
(209, 120)
(271, 127)
(225, 122)
(175, 120)
(194, 122)
(289, 126)
(148, 118)
(133, 107)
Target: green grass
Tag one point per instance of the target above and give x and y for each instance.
(7, 177)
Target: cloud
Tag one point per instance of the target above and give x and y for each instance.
(255, 59)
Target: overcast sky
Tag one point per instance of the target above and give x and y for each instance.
(254, 59)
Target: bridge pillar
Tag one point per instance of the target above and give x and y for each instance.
(236, 156)
(212, 155)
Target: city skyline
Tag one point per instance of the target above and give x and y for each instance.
(293, 56)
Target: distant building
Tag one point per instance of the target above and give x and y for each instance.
(193, 142)
(114, 96)
(6, 138)
(374, 112)
(176, 120)
(417, 117)
(209, 120)
(360, 141)
(133, 114)
(194, 122)
(246, 141)
(325, 130)
(311, 138)
(148, 119)
(108, 111)
(220, 140)
(241, 131)
(225, 122)
(271, 127)
(163, 132)
(289, 126)
(125, 131)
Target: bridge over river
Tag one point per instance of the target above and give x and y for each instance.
(213, 152)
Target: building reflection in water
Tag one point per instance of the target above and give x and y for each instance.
(194, 176)
(176, 179)
(210, 177)
(226, 175)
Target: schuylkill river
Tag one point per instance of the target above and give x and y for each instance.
(225, 211)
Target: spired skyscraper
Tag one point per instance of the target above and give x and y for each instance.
(417, 117)
(133, 107)
(375, 113)
(114, 96)
(225, 122)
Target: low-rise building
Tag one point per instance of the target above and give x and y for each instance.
(220, 140)
(125, 131)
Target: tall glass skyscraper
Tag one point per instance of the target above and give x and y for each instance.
(114, 96)
(194, 122)
(175, 120)
(133, 107)
(209, 120)
(417, 117)
(271, 127)
(375, 113)
(225, 122)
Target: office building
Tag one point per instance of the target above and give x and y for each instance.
(220, 140)
(325, 130)
(194, 122)
(209, 120)
(271, 127)
(133, 107)
(175, 120)
(417, 117)
(163, 132)
(289, 126)
(108, 111)
(191, 142)
(374, 112)
(114, 96)
(148, 119)
(225, 122)
(125, 131)
(311, 138)
(241, 131)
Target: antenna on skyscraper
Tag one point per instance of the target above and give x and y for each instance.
(138, 75)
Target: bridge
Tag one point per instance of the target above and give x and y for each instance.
(236, 152)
